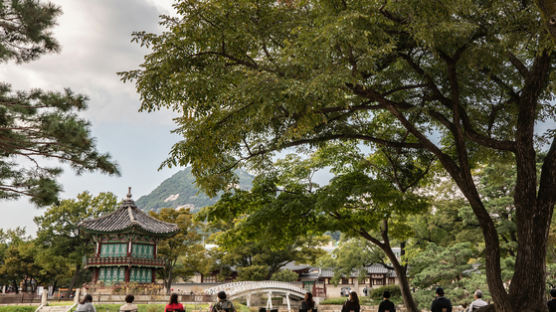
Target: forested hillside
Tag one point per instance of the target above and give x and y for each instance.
(180, 190)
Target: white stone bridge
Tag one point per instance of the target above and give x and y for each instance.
(245, 289)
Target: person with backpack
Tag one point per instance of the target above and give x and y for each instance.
(441, 303)
(223, 304)
(174, 305)
(352, 304)
(386, 305)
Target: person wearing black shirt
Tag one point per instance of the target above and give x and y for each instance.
(352, 304)
(552, 303)
(441, 303)
(386, 305)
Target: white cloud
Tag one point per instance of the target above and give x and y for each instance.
(95, 40)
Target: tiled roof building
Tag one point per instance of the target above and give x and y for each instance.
(126, 244)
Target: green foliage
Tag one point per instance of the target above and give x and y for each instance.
(351, 255)
(338, 301)
(376, 293)
(246, 85)
(342, 300)
(141, 307)
(37, 124)
(460, 83)
(183, 184)
(183, 253)
(284, 275)
(60, 247)
(17, 308)
(441, 265)
(28, 23)
(253, 273)
(18, 259)
(249, 236)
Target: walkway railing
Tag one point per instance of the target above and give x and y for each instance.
(94, 261)
(19, 298)
(248, 286)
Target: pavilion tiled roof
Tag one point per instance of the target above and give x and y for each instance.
(377, 268)
(128, 218)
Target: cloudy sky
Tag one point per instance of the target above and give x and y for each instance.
(95, 40)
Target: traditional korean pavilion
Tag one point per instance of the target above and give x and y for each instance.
(126, 244)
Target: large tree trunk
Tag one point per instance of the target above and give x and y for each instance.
(75, 277)
(527, 289)
(533, 213)
(168, 280)
(16, 287)
(404, 282)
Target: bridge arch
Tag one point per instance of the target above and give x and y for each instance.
(236, 290)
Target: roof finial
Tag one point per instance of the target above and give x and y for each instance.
(129, 192)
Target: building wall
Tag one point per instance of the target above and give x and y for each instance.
(335, 290)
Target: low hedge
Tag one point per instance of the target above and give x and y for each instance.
(376, 293)
(341, 300)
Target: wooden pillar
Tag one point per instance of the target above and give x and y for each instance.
(129, 248)
(153, 275)
(155, 249)
(95, 278)
(127, 272)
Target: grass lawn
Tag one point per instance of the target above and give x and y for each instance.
(110, 307)
(115, 307)
(147, 307)
(18, 308)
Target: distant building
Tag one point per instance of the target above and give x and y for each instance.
(319, 280)
(126, 244)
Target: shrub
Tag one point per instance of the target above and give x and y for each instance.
(376, 293)
(285, 276)
(340, 300)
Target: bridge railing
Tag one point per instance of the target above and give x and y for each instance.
(245, 286)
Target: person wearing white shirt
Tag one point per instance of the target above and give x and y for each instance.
(478, 302)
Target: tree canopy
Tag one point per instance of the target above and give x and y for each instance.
(249, 240)
(461, 81)
(36, 125)
(58, 243)
(183, 253)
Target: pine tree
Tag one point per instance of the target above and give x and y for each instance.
(37, 125)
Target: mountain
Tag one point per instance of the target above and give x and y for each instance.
(180, 190)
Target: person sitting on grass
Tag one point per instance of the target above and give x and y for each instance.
(386, 305)
(174, 305)
(86, 305)
(129, 306)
